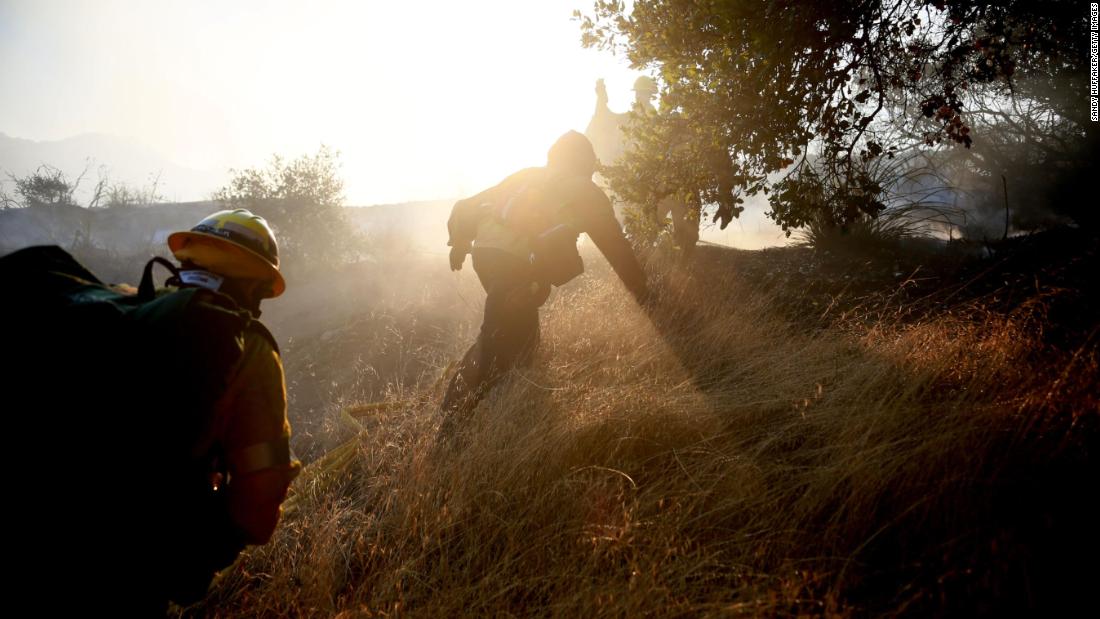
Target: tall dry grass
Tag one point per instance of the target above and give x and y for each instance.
(703, 457)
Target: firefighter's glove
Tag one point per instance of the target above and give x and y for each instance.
(458, 256)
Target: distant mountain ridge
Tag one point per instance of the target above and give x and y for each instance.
(123, 159)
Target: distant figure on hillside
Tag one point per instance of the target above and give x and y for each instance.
(162, 439)
(605, 130)
(522, 235)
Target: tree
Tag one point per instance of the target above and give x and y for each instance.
(47, 186)
(121, 195)
(303, 201)
(50, 186)
(802, 95)
(7, 200)
(1040, 155)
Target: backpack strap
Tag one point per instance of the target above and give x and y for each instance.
(261, 456)
(229, 304)
(262, 330)
(503, 210)
(147, 290)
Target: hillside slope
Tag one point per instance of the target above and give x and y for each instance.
(777, 434)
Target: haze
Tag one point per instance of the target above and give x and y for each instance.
(424, 100)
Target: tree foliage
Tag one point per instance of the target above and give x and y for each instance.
(51, 186)
(121, 195)
(1044, 160)
(46, 186)
(302, 199)
(802, 95)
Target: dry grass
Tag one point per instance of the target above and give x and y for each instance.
(702, 457)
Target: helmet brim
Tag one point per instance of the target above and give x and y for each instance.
(196, 246)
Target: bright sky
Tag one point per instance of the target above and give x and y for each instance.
(424, 99)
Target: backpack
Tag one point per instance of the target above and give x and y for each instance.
(109, 396)
(533, 212)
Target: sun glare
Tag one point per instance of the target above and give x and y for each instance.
(462, 96)
(423, 100)
(429, 100)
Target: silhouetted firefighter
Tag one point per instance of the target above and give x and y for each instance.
(154, 436)
(522, 235)
(605, 130)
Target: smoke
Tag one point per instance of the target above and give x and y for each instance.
(114, 243)
(752, 229)
(1030, 162)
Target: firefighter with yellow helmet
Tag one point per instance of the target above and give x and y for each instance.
(234, 252)
(186, 459)
(234, 246)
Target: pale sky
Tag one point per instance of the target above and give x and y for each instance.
(424, 99)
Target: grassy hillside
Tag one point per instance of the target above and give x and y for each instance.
(779, 433)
